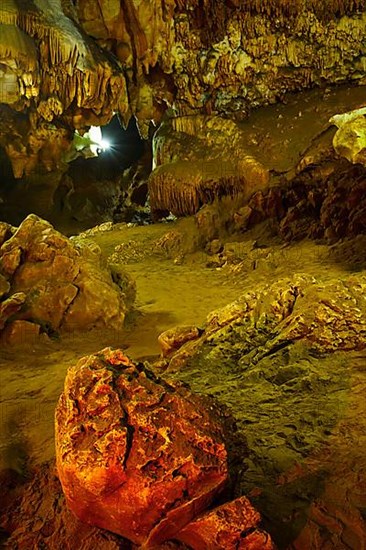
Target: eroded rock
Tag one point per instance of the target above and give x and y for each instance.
(171, 340)
(135, 455)
(20, 333)
(232, 526)
(63, 284)
(326, 316)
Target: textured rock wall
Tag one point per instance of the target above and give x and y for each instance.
(226, 57)
(72, 64)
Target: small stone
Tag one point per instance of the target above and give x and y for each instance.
(20, 333)
(173, 339)
(230, 526)
(214, 247)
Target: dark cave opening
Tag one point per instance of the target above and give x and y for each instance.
(84, 192)
(126, 148)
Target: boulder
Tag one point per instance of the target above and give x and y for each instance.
(135, 455)
(325, 316)
(64, 284)
(350, 139)
(232, 526)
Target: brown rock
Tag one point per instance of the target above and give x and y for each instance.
(6, 230)
(135, 455)
(66, 283)
(4, 286)
(10, 261)
(173, 339)
(10, 306)
(230, 526)
(53, 526)
(20, 333)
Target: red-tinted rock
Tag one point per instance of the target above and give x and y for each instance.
(135, 455)
(230, 526)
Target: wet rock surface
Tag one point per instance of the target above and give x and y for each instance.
(56, 283)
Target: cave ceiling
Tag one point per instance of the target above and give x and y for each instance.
(67, 65)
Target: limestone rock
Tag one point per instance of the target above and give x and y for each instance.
(75, 65)
(64, 284)
(173, 339)
(135, 455)
(49, 63)
(325, 316)
(350, 139)
(200, 159)
(10, 306)
(6, 230)
(4, 286)
(231, 526)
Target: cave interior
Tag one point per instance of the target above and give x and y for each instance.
(183, 274)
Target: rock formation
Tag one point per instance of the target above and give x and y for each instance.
(231, 526)
(135, 456)
(142, 458)
(325, 316)
(55, 283)
(199, 159)
(288, 358)
(69, 65)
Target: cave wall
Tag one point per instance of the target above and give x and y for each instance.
(66, 65)
(226, 56)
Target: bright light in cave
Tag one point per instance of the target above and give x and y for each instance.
(97, 143)
(91, 143)
(105, 145)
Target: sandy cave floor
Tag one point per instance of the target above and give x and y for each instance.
(321, 482)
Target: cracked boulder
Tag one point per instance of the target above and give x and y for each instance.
(57, 283)
(135, 455)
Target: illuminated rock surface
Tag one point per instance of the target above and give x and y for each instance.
(231, 526)
(56, 283)
(325, 316)
(301, 409)
(134, 455)
(70, 65)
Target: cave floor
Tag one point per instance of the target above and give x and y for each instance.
(313, 496)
